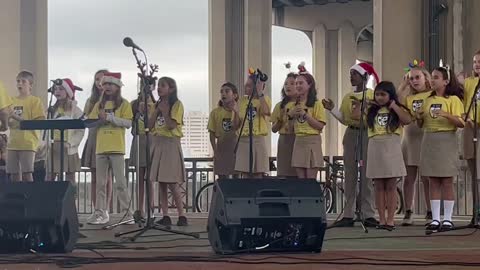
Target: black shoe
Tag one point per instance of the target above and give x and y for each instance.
(182, 221)
(433, 226)
(408, 219)
(344, 222)
(447, 225)
(371, 222)
(165, 221)
(428, 216)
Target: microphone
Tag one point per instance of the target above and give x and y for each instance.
(262, 76)
(128, 42)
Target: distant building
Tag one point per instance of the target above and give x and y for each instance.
(195, 141)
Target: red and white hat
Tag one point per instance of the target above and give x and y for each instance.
(69, 87)
(112, 77)
(365, 68)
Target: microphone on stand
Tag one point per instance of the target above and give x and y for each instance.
(128, 42)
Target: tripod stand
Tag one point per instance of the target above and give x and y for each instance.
(472, 107)
(148, 80)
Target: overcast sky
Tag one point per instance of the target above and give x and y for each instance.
(87, 35)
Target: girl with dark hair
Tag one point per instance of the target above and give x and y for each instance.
(309, 119)
(88, 155)
(167, 164)
(280, 120)
(222, 125)
(440, 117)
(385, 118)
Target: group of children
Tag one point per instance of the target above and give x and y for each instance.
(405, 132)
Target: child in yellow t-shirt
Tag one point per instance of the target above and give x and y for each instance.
(261, 106)
(280, 121)
(65, 107)
(222, 125)
(385, 118)
(167, 164)
(309, 119)
(23, 143)
(440, 117)
(115, 115)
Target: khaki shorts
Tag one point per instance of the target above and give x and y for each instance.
(20, 161)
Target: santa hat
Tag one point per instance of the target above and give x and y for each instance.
(112, 77)
(365, 68)
(69, 87)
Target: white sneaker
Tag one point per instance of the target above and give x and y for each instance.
(101, 217)
(92, 217)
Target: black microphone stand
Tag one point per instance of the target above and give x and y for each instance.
(149, 222)
(474, 223)
(49, 143)
(249, 115)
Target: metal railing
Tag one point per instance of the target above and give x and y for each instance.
(199, 172)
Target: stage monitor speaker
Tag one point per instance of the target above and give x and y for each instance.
(38, 217)
(266, 215)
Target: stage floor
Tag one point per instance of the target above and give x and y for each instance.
(344, 248)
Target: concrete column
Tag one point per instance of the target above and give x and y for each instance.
(24, 26)
(396, 39)
(258, 37)
(216, 49)
(471, 38)
(457, 35)
(347, 48)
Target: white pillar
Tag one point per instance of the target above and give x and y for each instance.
(216, 50)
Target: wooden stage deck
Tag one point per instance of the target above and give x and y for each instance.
(344, 248)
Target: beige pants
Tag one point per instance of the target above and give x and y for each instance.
(117, 163)
(350, 165)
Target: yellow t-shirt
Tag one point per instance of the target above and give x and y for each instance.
(220, 122)
(346, 106)
(110, 138)
(29, 108)
(5, 99)
(301, 126)
(380, 124)
(141, 117)
(452, 105)
(469, 88)
(260, 124)
(415, 102)
(176, 114)
(279, 115)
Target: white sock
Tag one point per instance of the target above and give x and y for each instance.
(448, 209)
(435, 209)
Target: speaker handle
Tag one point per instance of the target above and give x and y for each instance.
(271, 196)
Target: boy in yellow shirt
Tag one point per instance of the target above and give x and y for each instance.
(23, 143)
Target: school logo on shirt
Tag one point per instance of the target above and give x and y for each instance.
(382, 119)
(251, 116)
(417, 104)
(18, 110)
(109, 112)
(288, 116)
(303, 119)
(160, 120)
(227, 124)
(435, 108)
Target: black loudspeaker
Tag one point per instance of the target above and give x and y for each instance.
(266, 215)
(39, 217)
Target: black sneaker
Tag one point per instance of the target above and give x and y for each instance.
(165, 221)
(371, 222)
(344, 222)
(182, 221)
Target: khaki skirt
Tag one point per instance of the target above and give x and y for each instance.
(132, 161)
(284, 155)
(385, 158)
(439, 154)
(411, 144)
(89, 156)
(167, 160)
(307, 152)
(71, 162)
(224, 158)
(260, 155)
